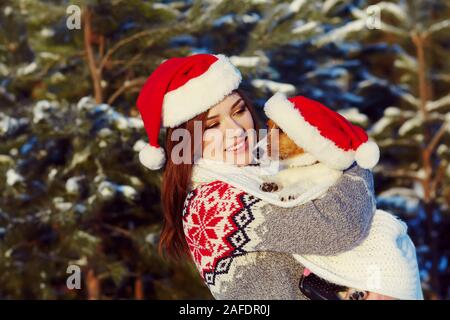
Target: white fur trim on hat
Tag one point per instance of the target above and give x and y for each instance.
(152, 157)
(304, 159)
(200, 93)
(367, 155)
(289, 119)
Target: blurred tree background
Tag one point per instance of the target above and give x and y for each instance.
(72, 189)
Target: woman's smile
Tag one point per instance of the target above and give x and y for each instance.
(229, 131)
(239, 146)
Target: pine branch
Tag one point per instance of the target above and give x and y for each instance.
(121, 231)
(92, 285)
(418, 41)
(138, 288)
(94, 71)
(402, 174)
(436, 138)
(126, 85)
(120, 44)
(130, 62)
(440, 174)
(101, 47)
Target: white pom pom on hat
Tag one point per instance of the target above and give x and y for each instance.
(152, 158)
(367, 155)
(178, 90)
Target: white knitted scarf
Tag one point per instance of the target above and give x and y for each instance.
(307, 180)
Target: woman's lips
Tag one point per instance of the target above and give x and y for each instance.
(239, 147)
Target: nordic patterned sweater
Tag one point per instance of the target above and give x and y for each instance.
(242, 246)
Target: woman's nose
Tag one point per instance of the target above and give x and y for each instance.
(233, 133)
(234, 128)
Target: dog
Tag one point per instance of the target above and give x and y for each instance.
(298, 172)
(286, 149)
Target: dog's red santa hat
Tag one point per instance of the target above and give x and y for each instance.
(322, 132)
(178, 90)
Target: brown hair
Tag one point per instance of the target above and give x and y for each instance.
(176, 180)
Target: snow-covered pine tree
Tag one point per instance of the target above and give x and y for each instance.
(414, 130)
(66, 199)
(72, 189)
(288, 46)
(73, 193)
(385, 59)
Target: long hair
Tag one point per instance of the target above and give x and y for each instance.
(176, 180)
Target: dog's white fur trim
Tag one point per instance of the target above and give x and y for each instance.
(152, 157)
(200, 93)
(304, 159)
(290, 120)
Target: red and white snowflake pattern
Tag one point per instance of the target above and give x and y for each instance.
(214, 220)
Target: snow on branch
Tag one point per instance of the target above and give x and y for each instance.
(274, 86)
(438, 104)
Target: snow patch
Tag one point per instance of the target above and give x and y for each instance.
(273, 86)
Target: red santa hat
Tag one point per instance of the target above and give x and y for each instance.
(177, 91)
(322, 132)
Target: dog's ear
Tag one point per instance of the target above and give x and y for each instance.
(271, 124)
(287, 147)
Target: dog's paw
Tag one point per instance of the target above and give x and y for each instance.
(269, 187)
(289, 197)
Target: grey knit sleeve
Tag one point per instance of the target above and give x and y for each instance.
(334, 223)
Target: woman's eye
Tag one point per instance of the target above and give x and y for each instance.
(213, 125)
(241, 110)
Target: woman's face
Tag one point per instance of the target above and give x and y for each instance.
(229, 132)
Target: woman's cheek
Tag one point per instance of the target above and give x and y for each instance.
(213, 144)
(247, 122)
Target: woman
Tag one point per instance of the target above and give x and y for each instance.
(241, 245)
